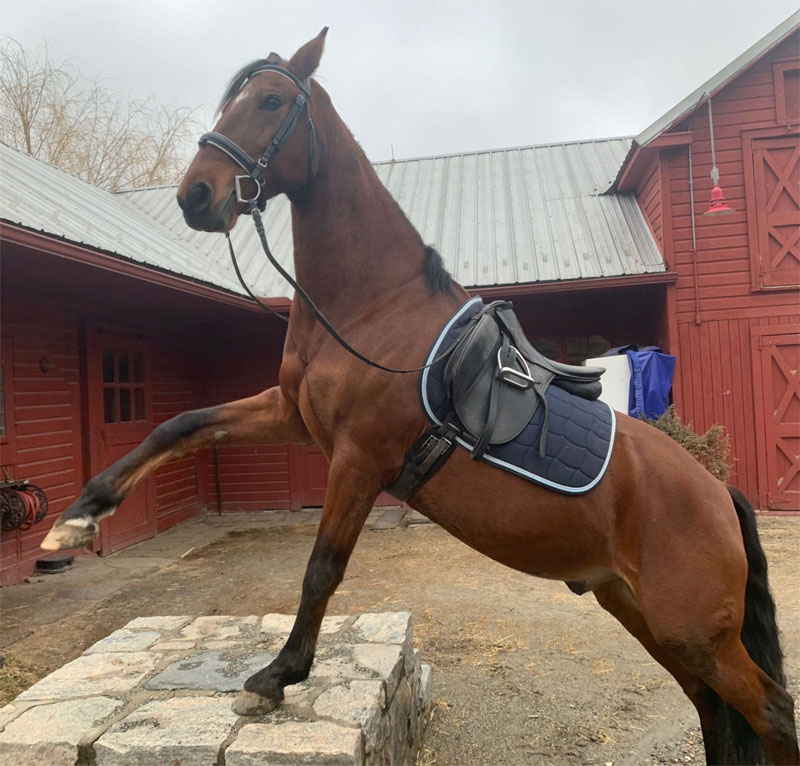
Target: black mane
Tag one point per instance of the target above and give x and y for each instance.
(436, 275)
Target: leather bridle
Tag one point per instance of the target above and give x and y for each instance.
(255, 172)
(255, 168)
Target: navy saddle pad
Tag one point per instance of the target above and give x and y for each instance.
(580, 434)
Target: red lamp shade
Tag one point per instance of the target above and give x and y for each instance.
(717, 204)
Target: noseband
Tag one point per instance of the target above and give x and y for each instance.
(255, 168)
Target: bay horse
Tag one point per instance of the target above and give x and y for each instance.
(666, 548)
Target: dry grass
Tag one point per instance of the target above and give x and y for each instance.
(710, 449)
(15, 677)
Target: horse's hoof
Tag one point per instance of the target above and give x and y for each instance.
(73, 533)
(250, 703)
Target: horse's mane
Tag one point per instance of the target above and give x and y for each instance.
(437, 276)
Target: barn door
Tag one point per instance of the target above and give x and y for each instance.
(308, 476)
(779, 474)
(120, 409)
(776, 186)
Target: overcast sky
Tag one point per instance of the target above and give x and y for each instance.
(427, 78)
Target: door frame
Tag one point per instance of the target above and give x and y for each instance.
(757, 336)
(96, 337)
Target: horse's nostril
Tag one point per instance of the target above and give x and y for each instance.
(199, 198)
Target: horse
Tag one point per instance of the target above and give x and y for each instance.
(667, 549)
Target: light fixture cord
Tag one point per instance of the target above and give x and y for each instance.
(714, 169)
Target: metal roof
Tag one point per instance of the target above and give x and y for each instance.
(509, 216)
(40, 197)
(720, 79)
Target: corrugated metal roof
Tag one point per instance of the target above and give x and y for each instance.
(720, 79)
(528, 214)
(43, 198)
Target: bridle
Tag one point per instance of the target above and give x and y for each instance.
(256, 204)
(255, 168)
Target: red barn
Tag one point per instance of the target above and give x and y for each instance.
(115, 316)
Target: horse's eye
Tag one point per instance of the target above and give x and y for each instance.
(270, 103)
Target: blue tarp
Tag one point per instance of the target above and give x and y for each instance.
(651, 380)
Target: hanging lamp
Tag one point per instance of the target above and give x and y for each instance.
(717, 204)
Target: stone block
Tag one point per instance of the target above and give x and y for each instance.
(183, 730)
(93, 674)
(125, 640)
(210, 671)
(217, 627)
(48, 735)
(384, 659)
(281, 624)
(320, 743)
(176, 645)
(360, 703)
(384, 627)
(425, 688)
(164, 624)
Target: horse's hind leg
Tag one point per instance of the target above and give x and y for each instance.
(261, 419)
(617, 598)
(348, 501)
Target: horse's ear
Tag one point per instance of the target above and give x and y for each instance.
(306, 60)
(274, 58)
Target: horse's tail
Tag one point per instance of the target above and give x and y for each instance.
(759, 636)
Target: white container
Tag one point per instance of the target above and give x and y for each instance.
(616, 380)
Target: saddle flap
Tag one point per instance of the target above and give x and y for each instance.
(470, 376)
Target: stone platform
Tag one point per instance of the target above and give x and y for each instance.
(159, 691)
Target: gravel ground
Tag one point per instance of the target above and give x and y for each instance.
(525, 672)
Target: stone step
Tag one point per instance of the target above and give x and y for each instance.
(159, 690)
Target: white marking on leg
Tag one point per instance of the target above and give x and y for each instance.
(220, 435)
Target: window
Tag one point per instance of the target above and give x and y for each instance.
(124, 398)
(572, 350)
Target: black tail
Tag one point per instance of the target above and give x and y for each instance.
(760, 638)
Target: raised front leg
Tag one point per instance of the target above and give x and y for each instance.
(348, 501)
(262, 419)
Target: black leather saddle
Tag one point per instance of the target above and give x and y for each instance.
(496, 379)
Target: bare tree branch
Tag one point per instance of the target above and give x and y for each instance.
(56, 114)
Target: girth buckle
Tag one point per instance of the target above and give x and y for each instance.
(512, 376)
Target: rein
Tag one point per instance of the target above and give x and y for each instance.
(256, 204)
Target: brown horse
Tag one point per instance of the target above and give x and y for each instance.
(670, 551)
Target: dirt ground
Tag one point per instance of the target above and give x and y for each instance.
(525, 672)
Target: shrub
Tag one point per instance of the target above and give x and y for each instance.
(710, 449)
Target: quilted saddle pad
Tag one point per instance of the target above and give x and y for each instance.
(580, 434)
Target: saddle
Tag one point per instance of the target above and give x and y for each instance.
(496, 379)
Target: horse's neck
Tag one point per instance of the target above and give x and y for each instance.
(352, 243)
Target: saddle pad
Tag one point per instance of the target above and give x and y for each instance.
(580, 435)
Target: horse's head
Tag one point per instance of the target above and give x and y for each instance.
(254, 138)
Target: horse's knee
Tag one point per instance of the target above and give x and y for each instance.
(322, 577)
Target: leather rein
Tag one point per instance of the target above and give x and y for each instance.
(257, 203)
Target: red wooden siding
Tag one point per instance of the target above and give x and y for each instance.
(649, 196)
(45, 408)
(715, 370)
(242, 360)
(177, 490)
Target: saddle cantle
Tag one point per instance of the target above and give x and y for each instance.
(496, 379)
(486, 388)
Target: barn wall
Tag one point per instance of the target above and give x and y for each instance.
(242, 359)
(49, 444)
(719, 314)
(648, 192)
(44, 413)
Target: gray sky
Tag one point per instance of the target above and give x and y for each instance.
(431, 77)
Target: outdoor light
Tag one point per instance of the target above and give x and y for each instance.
(717, 204)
